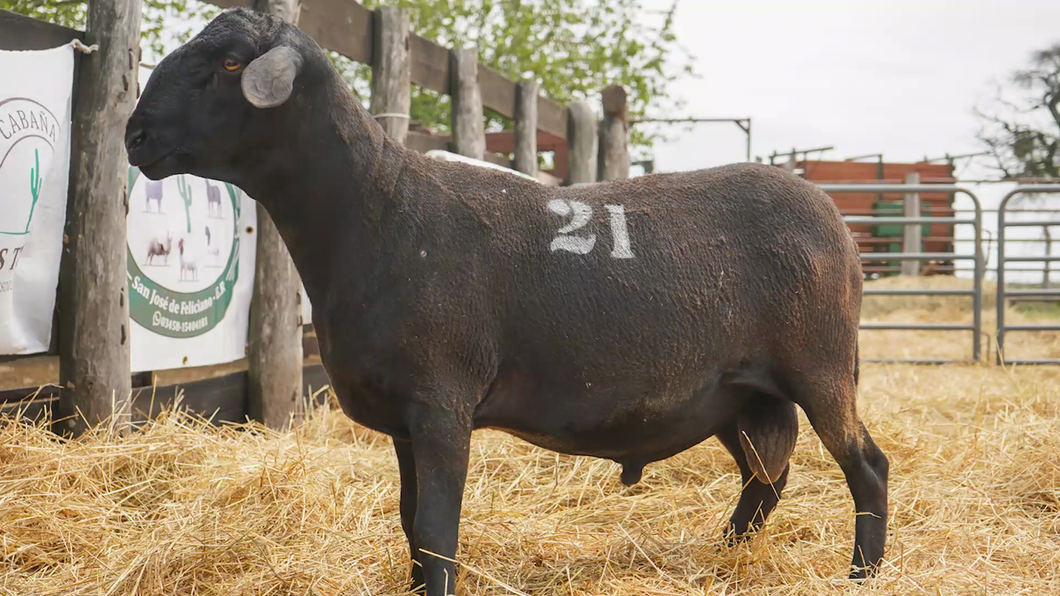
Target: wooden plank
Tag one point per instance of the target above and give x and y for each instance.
(498, 159)
(223, 398)
(315, 378)
(94, 310)
(5, 358)
(429, 66)
(424, 143)
(498, 93)
(552, 117)
(525, 134)
(340, 25)
(468, 125)
(391, 87)
(31, 409)
(21, 33)
(344, 26)
(274, 355)
(13, 396)
(231, 3)
(310, 345)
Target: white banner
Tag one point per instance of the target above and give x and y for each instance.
(307, 308)
(34, 170)
(191, 249)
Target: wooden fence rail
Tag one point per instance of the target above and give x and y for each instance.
(399, 59)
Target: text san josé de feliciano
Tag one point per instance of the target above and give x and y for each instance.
(176, 307)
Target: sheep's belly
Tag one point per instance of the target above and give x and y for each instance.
(630, 432)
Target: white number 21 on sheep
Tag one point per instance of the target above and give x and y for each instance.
(580, 214)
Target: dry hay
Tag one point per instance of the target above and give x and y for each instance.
(948, 307)
(952, 309)
(180, 508)
(184, 508)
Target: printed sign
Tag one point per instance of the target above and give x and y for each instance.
(34, 170)
(191, 248)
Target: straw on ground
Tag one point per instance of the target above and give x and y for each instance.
(184, 508)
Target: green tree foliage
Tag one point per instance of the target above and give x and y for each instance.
(1022, 127)
(574, 48)
(166, 23)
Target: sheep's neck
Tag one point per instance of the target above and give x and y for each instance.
(323, 187)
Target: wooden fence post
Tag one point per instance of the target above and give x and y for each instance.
(93, 301)
(581, 143)
(391, 74)
(468, 125)
(613, 160)
(274, 354)
(525, 134)
(911, 233)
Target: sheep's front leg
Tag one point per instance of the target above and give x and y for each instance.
(440, 447)
(407, 470)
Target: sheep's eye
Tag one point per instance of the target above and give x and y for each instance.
(231, 65)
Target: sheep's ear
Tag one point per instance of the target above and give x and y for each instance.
(268, 80)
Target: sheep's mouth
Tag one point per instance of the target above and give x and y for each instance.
(151, 164)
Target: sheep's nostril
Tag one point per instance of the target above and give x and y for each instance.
(135, 136)
(137, 139)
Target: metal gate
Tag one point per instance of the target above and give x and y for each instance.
(976, 293)
(1002, 292)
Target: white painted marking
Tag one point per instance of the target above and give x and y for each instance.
(619, 232)
(580, 215)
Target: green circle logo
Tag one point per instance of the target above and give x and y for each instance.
(183, 252)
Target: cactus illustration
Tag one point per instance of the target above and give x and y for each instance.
(185, 193)
(34, 186)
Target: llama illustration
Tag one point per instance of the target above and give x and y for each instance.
(155, 248)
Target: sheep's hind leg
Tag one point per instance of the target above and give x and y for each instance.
(831, 410)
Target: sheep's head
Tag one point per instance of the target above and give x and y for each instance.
(209, 103)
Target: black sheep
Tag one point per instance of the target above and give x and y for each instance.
(628, 320)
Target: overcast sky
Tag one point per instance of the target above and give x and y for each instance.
(865, 76)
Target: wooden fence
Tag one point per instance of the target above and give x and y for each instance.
(595, 151)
